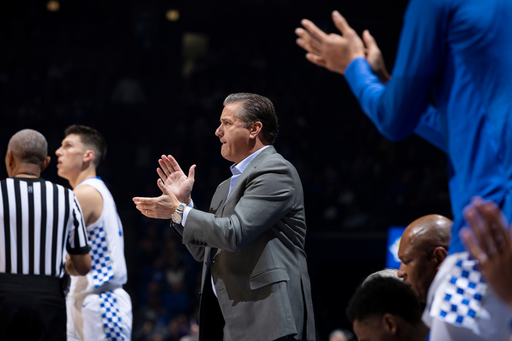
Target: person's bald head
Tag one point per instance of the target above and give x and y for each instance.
(423, 247)
(27, 148)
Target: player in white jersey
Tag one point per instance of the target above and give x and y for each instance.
(98, 308)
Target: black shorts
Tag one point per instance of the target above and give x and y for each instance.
(32, 307)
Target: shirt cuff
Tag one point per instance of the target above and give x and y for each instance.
(186, 210)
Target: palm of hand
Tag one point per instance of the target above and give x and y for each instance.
(335, 49)
(180, 185)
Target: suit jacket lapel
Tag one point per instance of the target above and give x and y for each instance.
(219, 198)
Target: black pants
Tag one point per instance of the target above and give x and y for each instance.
(32, 308)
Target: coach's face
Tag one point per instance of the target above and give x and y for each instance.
(235, 138)
(70, 156)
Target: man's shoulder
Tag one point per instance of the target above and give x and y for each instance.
(274, 160)
(87, 195)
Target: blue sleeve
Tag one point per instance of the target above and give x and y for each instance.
(396, 108)
(430, 128)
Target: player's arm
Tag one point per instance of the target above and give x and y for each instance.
(430, 126)
(394, 108)
(91, 203)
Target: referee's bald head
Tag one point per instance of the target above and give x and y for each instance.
(29, 146)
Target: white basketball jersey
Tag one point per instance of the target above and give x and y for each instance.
(108, 265)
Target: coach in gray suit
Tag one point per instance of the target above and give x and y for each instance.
(251, 242)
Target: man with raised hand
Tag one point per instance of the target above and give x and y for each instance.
(255, 283)
(457, 52)
(97, 305)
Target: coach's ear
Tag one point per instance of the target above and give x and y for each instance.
(45, 163)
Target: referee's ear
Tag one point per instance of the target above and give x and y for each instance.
(45, 163)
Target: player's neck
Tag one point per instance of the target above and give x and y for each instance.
(85, 174)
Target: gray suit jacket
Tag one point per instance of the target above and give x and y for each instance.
(253, 244)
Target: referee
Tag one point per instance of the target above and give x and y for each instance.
(39, 222)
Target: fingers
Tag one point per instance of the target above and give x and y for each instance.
(172, 161)
(144, 201)
(467, 236)
(315, 59)
(169, 165)
(488, 224)
(162, 187)
(369, 41)
(341, 23)
(167, 170)
(192, 172)
(314, 30)
(146, 206)
(161, 174)
(307, 42)
(486, 229)
(496, 225)
(475, 219)
(310, 44)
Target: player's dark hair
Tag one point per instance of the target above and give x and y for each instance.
(256, 108)
(91, 138)
(381, 295)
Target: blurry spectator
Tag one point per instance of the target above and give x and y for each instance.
(385, 308)
(178, 327)
(176, 300)
(423, 248)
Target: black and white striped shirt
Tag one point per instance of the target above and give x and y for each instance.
(37, 220)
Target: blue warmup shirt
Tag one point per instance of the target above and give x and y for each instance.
(459, 51)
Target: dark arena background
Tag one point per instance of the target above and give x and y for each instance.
(152, 75)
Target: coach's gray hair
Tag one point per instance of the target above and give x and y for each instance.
(29, 146)
(256, 108)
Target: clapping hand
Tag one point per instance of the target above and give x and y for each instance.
(175, 180)
(335, 52)
(332, 51)
(489, 243)
(176, 188)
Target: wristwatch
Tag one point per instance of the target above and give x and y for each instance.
(177, 216)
